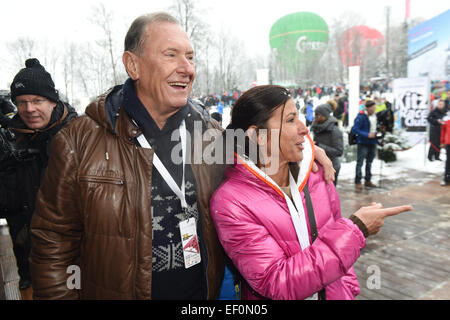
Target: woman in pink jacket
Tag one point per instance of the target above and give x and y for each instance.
(265, 224)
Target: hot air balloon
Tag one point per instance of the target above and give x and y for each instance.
(356, 42)
(299, 39)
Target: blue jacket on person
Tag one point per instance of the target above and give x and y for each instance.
(220, 107)
(309, 112)
(361, 128)
(229, 291)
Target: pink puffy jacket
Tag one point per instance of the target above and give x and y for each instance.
(256, 230)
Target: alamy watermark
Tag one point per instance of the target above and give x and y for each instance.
(74, 280)
(212, 147)
(374, 280)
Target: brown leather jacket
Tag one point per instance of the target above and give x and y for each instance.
(93, 210)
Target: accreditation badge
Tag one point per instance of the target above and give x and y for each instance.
(189, 238)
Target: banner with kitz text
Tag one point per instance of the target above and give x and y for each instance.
(412, 105)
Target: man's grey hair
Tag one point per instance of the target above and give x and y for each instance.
(135, 38)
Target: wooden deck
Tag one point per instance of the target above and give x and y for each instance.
(412, 251)
(9, 279)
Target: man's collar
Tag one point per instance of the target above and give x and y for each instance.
(137, 111)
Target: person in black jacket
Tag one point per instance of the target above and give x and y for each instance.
(435, 120)
(328, 136)
(6, 107)
(25, 152)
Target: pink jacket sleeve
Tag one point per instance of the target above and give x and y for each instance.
(350, 280)
(264, 264)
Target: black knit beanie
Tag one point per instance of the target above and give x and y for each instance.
(34, 80)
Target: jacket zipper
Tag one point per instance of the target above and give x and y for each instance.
(97, 179)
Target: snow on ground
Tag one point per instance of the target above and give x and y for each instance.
(412, 159)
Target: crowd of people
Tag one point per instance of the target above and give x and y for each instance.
(123, 193)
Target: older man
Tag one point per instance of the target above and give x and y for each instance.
(23, 159)
(120, 215)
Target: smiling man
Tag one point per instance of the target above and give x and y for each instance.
(40, 115)
(114, 203)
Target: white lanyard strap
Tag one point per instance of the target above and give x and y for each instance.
(180, 192)
(298, 213)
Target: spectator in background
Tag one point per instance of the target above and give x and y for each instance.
(385, 118)
(344, 101)
(333, 104)
(435, 120)
(445, 143)
(6, 107)
(217, 116)
(309, 111)
(380, 105)
(40, 115)
(220, 107)
(365, 127)
(328, 136)
(447, 97)
(339, 111)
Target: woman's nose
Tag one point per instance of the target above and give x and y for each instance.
(302, 128)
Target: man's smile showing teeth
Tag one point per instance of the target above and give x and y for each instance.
(178, 84)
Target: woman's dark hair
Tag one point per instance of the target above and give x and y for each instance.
(254, 108)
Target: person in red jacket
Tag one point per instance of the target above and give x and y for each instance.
(445, 143)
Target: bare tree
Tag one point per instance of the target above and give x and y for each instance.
(104, 18)
(230, 53)
(398, 51)
(189, 13)
(49, 56)
(69, 59)
(22, 49)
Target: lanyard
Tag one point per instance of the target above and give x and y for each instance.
(180, 192)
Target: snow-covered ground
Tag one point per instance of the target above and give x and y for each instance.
(412, 159)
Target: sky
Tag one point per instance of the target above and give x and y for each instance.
(63, 21)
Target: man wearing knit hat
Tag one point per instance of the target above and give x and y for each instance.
(34, 94)
(365, 127)
(40, 115)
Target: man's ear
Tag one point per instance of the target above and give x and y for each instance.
(130, 61)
